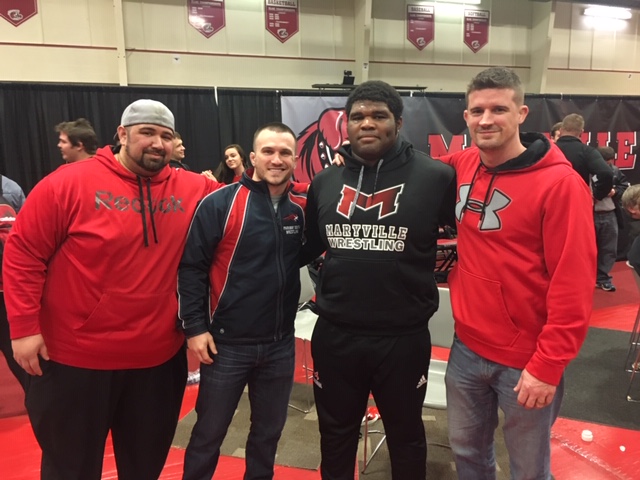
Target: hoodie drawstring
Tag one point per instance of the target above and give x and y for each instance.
(352, 208)
(466, 202)
(143, 209)
(153, 219)
(375, 181)
(486, 195)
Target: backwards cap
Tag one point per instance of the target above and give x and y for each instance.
(148, 111)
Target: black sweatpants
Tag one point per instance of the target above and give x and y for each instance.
(72, 410)
(5, 346)
(346, 368)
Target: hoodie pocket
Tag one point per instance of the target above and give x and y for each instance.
(121, 316)
(347, 281)
(490, 324)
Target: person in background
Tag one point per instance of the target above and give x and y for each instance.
(238, 289)
(526, 246)
(90, 282)
(631, 203)
(585, 159)
(11, 193)
(177, 157)
(12, 196)
(608, 220)
(177, 161)
(233, 165)
(378, 219)
(555, 131)
(76, 140)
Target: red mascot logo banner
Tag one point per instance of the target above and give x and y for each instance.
(17, 12)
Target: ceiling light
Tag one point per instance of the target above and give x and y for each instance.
(468, 2)
(608, 12)
(605, 24)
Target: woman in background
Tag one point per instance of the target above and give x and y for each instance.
(234, 163)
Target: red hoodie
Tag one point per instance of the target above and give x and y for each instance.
(93, 272)
(522, 290)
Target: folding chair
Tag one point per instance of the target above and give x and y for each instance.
(446, 254)
(304, 323)
(371, 416)
(442, 329)
(446, 257)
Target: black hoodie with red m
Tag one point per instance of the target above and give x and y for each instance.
(379, 227)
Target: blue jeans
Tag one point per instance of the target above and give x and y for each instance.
(268, 370)
(476, 388)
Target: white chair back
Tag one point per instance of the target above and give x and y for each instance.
(441, 328)
(307, 289)
(441, 324)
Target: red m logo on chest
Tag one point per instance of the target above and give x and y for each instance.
(387, 201)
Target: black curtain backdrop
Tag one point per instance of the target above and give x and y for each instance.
(210, 120)
(241, 113)
(29, 113)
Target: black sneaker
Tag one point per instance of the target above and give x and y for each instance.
(606, 286)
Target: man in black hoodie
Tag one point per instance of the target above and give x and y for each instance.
(585, 160)
(378, 219)
(177, 157)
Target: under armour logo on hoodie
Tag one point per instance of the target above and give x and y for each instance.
(489, 218)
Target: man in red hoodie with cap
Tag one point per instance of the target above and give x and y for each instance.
(90, 280)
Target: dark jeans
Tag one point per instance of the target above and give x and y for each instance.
(268, 370)
(72, 410)
(607, 240)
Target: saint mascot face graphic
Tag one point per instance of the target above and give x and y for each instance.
(319, 142)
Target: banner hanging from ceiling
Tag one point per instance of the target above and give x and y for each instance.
(476, 29)
(282, 18)
(16, 12)
(206, 16)
(420, 20)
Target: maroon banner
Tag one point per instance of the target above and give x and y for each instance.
(206, 16)
(281, 18)
(17, 12)
(476, 29)
(420, 19)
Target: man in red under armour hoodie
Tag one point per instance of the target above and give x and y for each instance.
(90, 280)
(522, 289)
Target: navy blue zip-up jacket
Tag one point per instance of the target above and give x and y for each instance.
(239, 276)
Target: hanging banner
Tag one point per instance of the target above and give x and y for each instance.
(476, 29)
(17, 12)
(206, 16)
(282, 18)
(420, 19)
